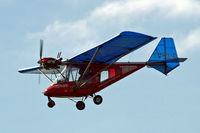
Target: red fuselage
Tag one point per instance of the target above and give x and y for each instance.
(107, 77)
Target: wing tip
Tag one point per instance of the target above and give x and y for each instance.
(24, 70)
(20, 71)
(131, 33)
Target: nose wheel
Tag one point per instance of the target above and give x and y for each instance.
(51, 103)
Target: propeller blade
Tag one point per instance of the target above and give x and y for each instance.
(59, 54)
(41, 48)
(39, 79)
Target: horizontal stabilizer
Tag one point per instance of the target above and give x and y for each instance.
(162, 62)
(164, 57)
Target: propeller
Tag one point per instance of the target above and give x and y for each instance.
(59, 55)
(41, 51)
(39, 78)
(41, 48)
(42, 63)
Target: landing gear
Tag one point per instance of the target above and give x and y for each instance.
(97, 99)
(80, 105)
(51, 103)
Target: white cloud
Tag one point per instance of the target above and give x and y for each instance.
(71, 37)
(113, 17)
(138, 7)
(190, 42)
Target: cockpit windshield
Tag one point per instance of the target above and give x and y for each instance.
(69, 73)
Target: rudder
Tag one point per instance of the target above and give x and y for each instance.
(165, 58)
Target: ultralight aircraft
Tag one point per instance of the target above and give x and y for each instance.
(88, 73)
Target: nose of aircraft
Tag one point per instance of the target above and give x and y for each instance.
(45, 92)
(48, 91)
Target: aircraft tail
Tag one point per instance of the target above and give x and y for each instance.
(164, 57)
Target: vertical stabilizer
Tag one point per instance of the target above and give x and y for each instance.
(164, 57)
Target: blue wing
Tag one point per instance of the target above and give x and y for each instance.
(115, 48)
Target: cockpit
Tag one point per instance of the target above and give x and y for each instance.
(68, 74)
(73, 73)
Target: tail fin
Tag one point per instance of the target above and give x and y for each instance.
(164, 57)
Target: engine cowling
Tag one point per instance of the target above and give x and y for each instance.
(50, 63)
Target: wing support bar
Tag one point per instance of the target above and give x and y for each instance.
(45, 75)
(88, 66)
(103, 69)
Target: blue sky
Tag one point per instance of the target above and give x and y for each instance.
(146, 101)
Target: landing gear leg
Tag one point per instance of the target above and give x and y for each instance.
(51, 103)
(98, 99)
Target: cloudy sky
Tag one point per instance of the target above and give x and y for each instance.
(146, 101)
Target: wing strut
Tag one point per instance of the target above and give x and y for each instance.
(88, 66)
(45, 75)
(104, 68)
(61, 73)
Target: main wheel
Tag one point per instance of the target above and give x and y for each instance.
(80, 105)
(51, 104)
(98, 99)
